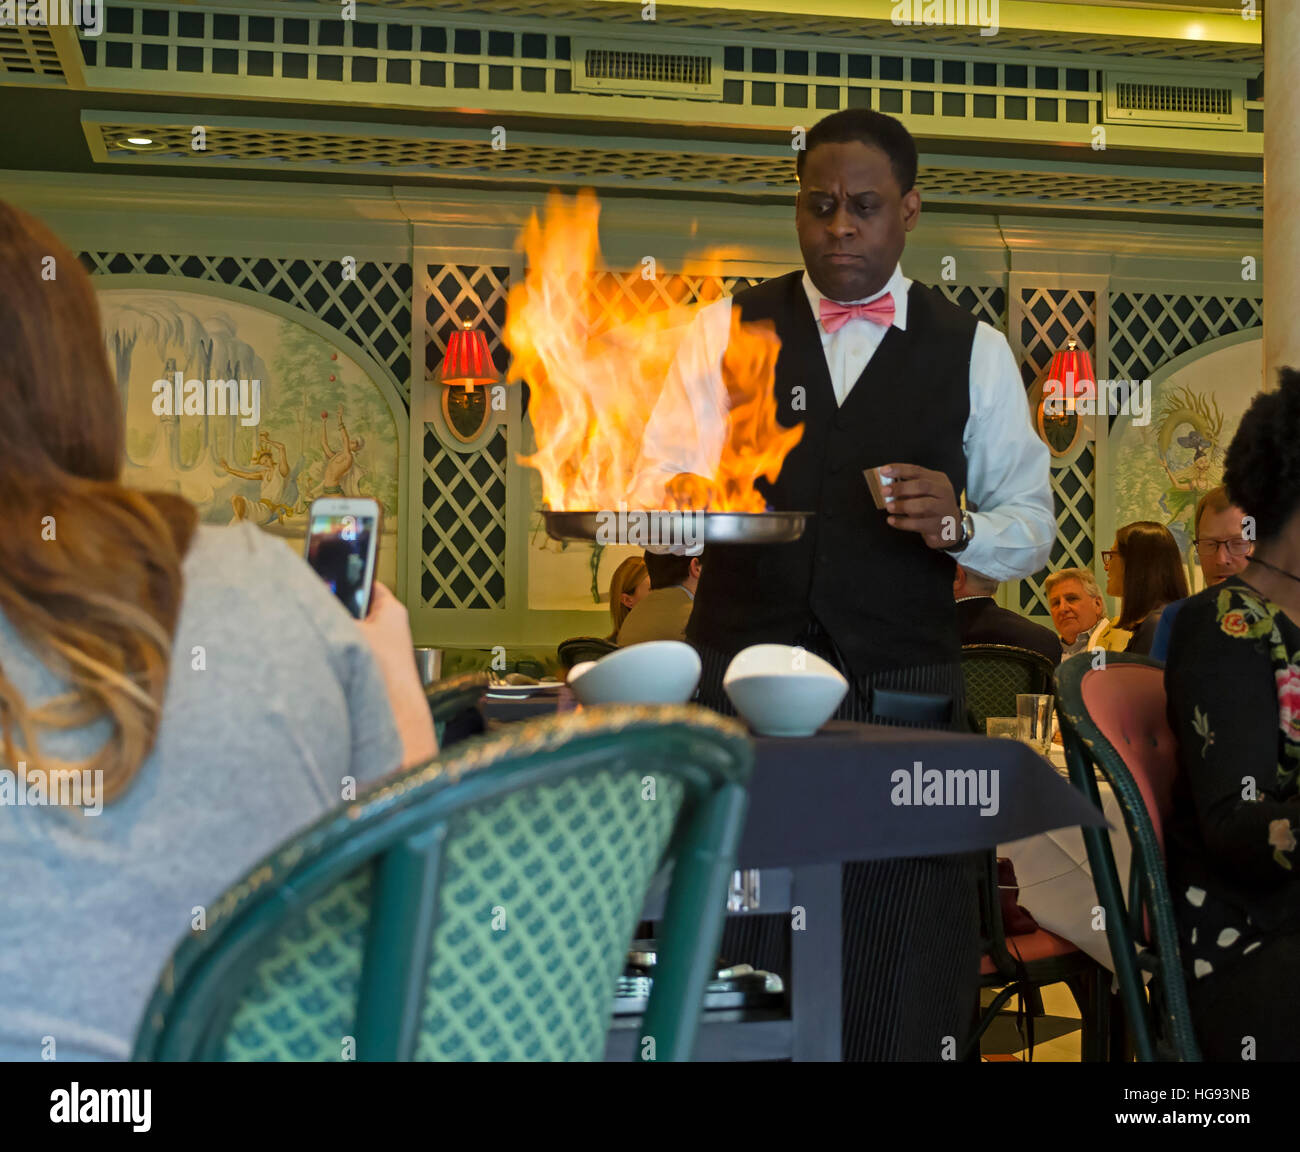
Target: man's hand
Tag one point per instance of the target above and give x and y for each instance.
(923, 501)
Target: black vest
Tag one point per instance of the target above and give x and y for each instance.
(884, 597)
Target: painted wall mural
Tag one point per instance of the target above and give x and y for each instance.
(1167, 465)
(302, 420)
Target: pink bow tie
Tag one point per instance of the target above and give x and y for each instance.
(834, 316)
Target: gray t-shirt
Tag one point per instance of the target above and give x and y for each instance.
(273, 698)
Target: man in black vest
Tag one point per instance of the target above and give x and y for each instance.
(882, 373)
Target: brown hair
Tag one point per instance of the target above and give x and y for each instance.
(1153, 570)
(1215, 500)
(90, 571)
(626, 577)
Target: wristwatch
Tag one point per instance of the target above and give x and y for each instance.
(967, 534)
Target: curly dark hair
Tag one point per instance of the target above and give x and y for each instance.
(1262, 468)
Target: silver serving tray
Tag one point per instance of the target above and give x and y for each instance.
(649, 528)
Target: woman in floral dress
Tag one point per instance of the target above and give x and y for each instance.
(1233, 682)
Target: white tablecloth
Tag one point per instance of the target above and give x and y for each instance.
(1056, 882)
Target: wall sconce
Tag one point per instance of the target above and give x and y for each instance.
(465, 375)
(1069, 379)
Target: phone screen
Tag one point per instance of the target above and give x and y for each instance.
(340, 549)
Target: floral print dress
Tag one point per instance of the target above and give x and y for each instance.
(1233, 683)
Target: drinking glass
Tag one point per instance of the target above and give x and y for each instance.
(1008, 727)
(429, 662)
(1034, 716)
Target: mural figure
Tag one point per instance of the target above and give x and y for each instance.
(1191, 421)
(342, 474)
(264, 473)
(279, 485)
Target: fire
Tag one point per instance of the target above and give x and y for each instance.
(596, 350)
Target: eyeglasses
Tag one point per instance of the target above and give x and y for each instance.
(1107, 557)
(1235, 545)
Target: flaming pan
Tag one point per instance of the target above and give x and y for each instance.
(654, 528)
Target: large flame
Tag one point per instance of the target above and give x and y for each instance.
(596, 350)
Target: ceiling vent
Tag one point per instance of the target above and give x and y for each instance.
(637, 68)
(1137, 100)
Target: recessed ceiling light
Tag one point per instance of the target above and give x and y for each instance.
(141, 144)
(1196, 32)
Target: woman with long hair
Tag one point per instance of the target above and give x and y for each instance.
(175, 698)
(1146, 570)
(630, 582)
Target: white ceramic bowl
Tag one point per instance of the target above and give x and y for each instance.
(783, 691)
(657, 672)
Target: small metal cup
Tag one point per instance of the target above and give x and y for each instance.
(743, 893)
(429, 663)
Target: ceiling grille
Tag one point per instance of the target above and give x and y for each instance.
(1139, 101)
(384, 149)
(636, 71)
(28, 54)
(1167, 98)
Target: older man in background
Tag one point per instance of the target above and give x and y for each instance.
(1079, 613)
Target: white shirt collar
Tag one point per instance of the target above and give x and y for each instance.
(897, 287)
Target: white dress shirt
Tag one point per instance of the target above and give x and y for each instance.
(1008, 485)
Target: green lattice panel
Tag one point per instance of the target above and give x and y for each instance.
(984, 303)
(1049, 318)
(464, 534)
(1148, 329)
(374, 310)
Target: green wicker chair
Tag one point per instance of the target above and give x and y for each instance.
(1113, 719)
(479, 907)
(450, 699)
(996, 674)
(579, 648)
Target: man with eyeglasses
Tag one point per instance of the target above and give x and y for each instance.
(1223, 548)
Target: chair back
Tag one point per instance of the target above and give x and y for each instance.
(996, 674)
(1113, 721)
(478, 907)
(580, 648)
(451, 699)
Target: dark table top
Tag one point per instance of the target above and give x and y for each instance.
(851, 792)
(872, 792)
(526, 707)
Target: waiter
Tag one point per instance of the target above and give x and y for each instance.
(884, 373)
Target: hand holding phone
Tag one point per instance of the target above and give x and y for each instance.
(342, 540)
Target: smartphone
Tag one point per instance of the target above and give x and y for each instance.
(342, 539)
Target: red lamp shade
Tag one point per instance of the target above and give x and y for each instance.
(468, 361)
(1069, 377)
